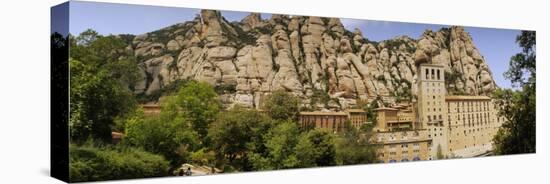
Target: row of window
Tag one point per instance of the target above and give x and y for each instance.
(392, 160)
(473, 120)
(395, 153)
(469, 106)
(433, 88)
(435, 118)
(404, 145)
(435, 74)
(435, 135)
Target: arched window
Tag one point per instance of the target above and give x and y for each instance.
(427, 73)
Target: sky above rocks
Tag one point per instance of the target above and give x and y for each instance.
(496, 45)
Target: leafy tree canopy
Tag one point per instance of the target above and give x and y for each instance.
(279, 143)
(198, 102)
(235, 134)
(281, 105)
(316, 148)
(517, 134)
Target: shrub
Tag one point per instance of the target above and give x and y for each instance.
(93, 163)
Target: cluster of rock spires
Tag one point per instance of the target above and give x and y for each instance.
(315, 58)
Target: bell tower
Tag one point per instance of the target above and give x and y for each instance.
(431, 108)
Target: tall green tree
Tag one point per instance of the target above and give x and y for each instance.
(282, 105)
(522, 69)
(198, 102)
(96, 49)
(237, 133)
(101, 71)
(353, 146)
(108, 53)
(280, 142)
(95, 101)
(517, 134)
(175, 133)
(168, 134)
(316, 148)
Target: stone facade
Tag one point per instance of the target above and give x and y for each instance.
(399, 136)
(333, 121)
(472, 123)
(402, 146)
(441, 126)
(431, 105)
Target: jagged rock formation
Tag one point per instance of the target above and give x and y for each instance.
(315, 58)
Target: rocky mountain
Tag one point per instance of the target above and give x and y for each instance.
(315, 58)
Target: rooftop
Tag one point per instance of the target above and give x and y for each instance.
(324, 113)
(463, 97)
(355, 110)
(385, 108)
(432, 65)
(150, 105)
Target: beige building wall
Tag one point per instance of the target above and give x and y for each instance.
(431, 106)
(333, 121)
(402, 146)
(397, 136)
(473, 122)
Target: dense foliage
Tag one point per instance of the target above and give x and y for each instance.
(91, 163)
(353, 145)
(99, 80)
(316, 148)
(191, 127)
(279, 143)
(281, 105)
(168, 135)
(199, 103)
(235, 134)
(518, 133)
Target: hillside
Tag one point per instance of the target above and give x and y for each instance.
(315, 58)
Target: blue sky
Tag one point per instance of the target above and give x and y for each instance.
(496, 45)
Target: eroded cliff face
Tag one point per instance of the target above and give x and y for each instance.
(315, 58)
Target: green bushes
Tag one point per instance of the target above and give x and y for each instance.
(93, 163)
(170, 136)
